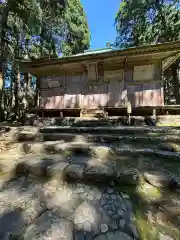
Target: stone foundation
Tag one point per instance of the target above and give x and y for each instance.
(110, 121)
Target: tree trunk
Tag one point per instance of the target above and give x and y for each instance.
(37, 98)
(2, 70)
(4, 17)
(12, 87)
(27, 82)
(16, 90)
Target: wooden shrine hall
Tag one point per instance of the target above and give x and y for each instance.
(107, 81)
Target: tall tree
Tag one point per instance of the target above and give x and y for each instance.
(28, 14)
(76, 30)
(35, 29)
(62, 33)
(140, 22)
(143, 22)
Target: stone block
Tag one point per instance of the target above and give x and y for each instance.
(133, 231)
(75, 171)
(55, 146)
(117, 235)
(78, 147)
(27, 136)
(172, 147)
(157, 179)
(32, 148)
(149, 192)
(97, 171)
(37, 166)
(57, 170)
(128, 177)
(103, 152)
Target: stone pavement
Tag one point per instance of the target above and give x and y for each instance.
(30, 209)
(41, 202)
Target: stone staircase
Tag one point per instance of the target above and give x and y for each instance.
(105, 145)
(73, 173)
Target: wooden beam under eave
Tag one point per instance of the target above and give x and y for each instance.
(54, 70)
(169, 61)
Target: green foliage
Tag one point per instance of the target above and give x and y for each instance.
(63, 30)
(61, 27)
(29, 12)
(77, 36)
(141, 22)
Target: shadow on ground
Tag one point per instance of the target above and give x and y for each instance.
(156, 209)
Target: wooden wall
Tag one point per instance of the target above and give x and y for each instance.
(141, 85)
(145, 87)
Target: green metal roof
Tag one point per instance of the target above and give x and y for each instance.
(95, 51)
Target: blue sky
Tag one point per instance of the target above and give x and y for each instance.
(101, 15)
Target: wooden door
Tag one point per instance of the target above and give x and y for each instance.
(115, 94)
(94, 96)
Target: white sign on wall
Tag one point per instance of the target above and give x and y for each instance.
(142, 73)
(114, 75)
(53, 84)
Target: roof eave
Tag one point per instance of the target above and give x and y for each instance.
(172, 46)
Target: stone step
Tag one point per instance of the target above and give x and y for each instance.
(66, 149)
(96, 134)
(24, 136)
(86, 169)
(19, 133)
(111, 130)
(75, 168)
(107, 138)
(99, 151)
(92, 123)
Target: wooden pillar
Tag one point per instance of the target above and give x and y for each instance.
(101, 71)
(129, 111)
(158, 76)
(128, 79)
(37, 101)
